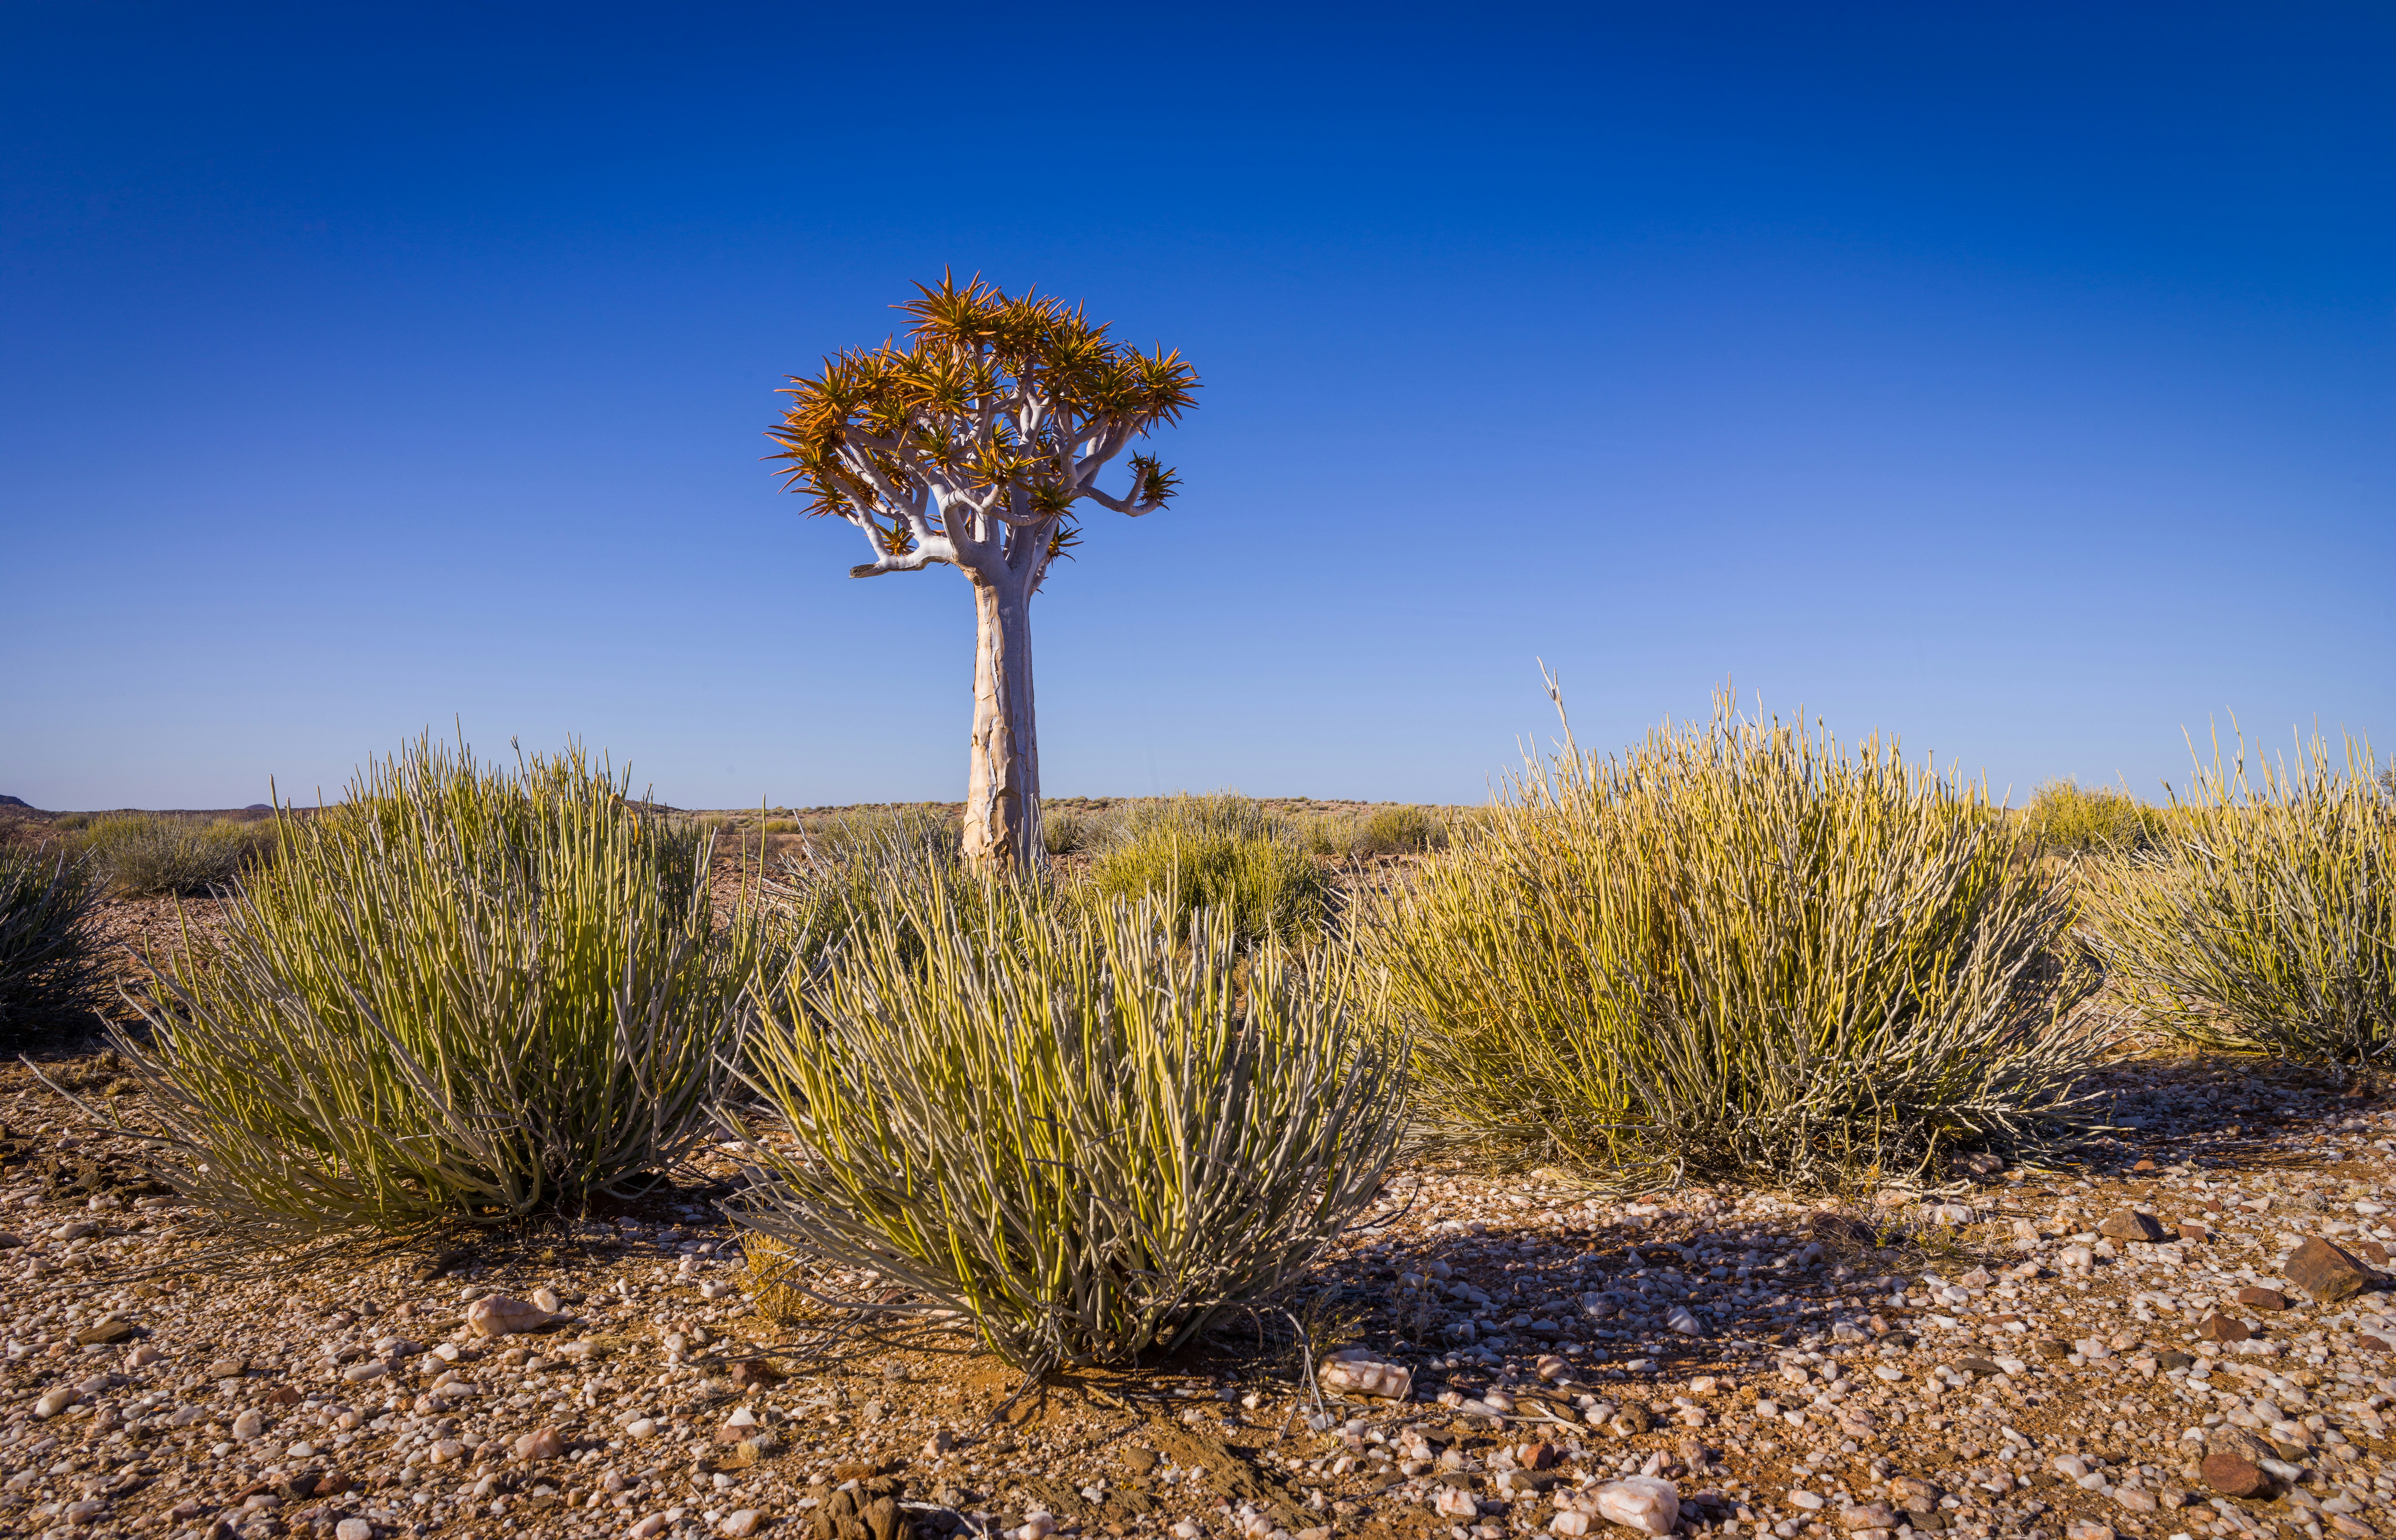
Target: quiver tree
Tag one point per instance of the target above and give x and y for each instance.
(973, 445)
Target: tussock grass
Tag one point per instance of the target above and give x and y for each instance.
(48, 969)
(1219, 852)
(2266, 921)
(1737, 949)
(1091, 1130)
(462, 993)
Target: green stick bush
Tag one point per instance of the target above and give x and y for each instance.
(2266, 921)
(159, 853)
(462, 993)
(48, 968)
(1089, 1129)
(2085, 821)
(1219, 852)
(1738, 950)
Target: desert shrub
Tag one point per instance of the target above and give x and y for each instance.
(48, 969)
(1071, 831)
(832, 889)
(781, 826)
(462, 992)
(1089, 1129)
(1396, 829)
(925, 826)
(2066, 816)
(1736, 948)
(2266, 921)
(157, 853)
(1219, 852)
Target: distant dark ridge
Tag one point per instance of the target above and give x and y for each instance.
(16, 802)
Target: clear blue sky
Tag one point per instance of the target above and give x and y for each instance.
(2017, 380)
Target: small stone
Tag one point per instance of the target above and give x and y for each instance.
(1868, 1516)
(2085, 1529)
(2232, 1477)
(640, 1427)
(2261, 1299)
(249, 1426)
(55, 1402)
(1647, 1503)
(1680, 1320)
(2229, 1440)
(105, 1333)
(744, 1522)
(2076, 1259)
(227, 1368)
(1806, 1500)
(654, 1524)
(2133, 1224)
(2327, 1273)
(354, 1529)
(1364, 1376)
(755, 1373)
(497, 1315)
(545, 1443)
(143, 1356)
(2222, 1328)
(1455, 1503)
(546, 1297)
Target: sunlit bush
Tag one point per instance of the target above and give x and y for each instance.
(1219, 852)
(161, 853)
(2266, 921)
(2067, 817)
(462, 993)
(1089, 1129)
(1736, 948)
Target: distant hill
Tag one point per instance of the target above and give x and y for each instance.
(16, 802)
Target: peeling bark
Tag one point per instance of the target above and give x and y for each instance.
(1002, 826)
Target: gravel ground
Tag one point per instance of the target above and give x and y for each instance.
(1983, 1360)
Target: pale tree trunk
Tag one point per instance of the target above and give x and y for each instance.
(1003, 791)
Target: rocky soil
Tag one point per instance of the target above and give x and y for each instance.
(2131, 1347)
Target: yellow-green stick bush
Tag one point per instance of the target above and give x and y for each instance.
(1090, 1130)
(1221, 851)
(461, 994)
(2092, 821)
(47, 968)
(2265, 920)
(1736, 948)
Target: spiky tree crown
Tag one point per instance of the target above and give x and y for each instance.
(995, 413)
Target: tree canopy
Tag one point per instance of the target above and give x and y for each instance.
(970, 443)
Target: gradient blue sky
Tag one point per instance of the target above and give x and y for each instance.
(2017, 380)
